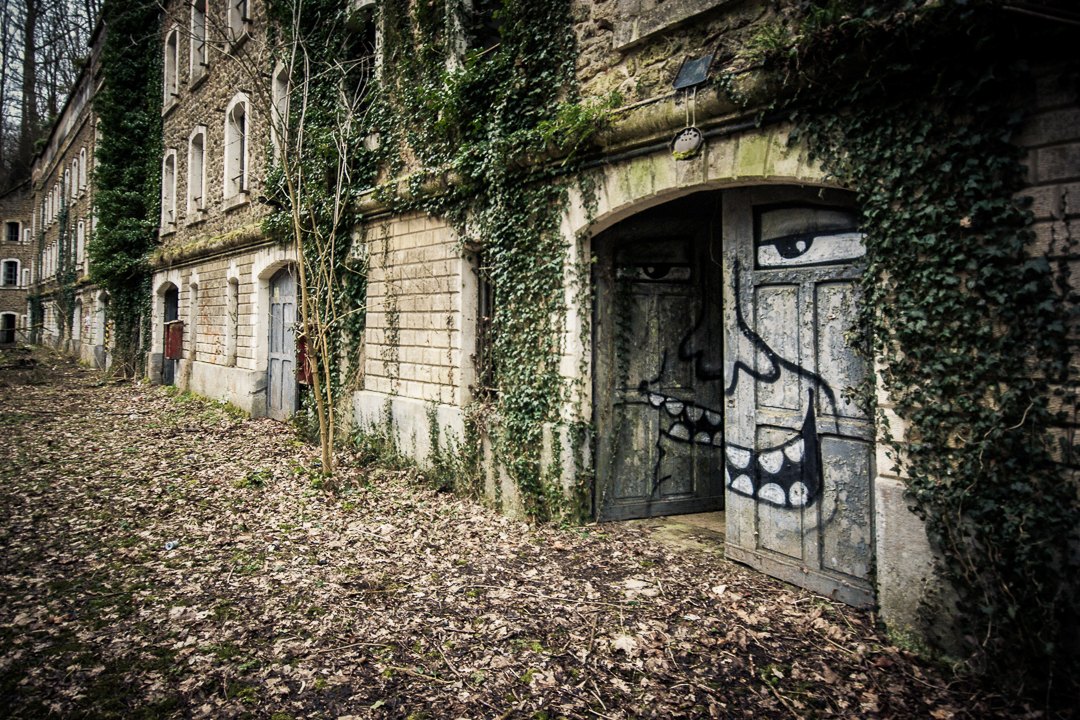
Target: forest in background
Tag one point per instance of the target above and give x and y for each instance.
(43, 45)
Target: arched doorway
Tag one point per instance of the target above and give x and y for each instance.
(171, 344)
(720, 374)
(281, 387)
(658, 286)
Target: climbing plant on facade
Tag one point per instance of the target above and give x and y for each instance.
(482, 105)
(915, 105)
(318, 167)
(127, 173)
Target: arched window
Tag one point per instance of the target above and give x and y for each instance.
(73, 188)
(280, 112)
(172, 61)
(82, 169)
(236, 151)
(239, 20)
(168, 192)
(196, 180)
(200, 51)
(80, 242)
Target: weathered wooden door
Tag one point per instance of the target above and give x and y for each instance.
(281, 373)
(172, 314)
(799, 456)
(658, 376)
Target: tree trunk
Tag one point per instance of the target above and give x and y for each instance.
(29, 121)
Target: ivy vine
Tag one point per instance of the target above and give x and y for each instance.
(915, 106)
(127, 174)
(330, 56)
(485, 105)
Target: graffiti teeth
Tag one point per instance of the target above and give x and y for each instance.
(772, 461)
(656, 400)
(772, 493)
(794, 451)
(694, 413)
(743, 485)
(679, 431)
(799, 495)
(674, 407)
(703, 438)
(739, 457)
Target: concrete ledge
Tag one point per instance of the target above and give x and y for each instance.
(246, 389)
(411, 421)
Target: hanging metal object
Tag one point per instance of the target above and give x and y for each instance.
(693, 72)
(687, 143)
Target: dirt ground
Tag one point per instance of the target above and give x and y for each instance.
(164, 557)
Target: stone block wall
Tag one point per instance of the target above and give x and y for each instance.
(1051, 141)
(235, 70)
(413, 341)
(635, 47)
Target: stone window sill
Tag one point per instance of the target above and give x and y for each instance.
(240, 199)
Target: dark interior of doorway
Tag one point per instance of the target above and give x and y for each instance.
(658, 354)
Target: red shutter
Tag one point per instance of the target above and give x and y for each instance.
(174, 339)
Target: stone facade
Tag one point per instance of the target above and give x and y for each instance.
(423, 304)
(216, 121)
(16, 262)
(217, 283)
(70, 311)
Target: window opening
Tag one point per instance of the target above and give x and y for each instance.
(172, 60)
(12, 233)
(168, 192)
(236, 149)
(200, 57)
(486, 380)
(11, 273)
(196, 172)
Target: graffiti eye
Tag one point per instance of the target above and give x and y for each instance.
(807, 235)
(810, 249)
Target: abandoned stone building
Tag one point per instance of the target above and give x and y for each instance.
(223, 295)
(705, 344)
(706, 275)
(16, 265)
(60, 305)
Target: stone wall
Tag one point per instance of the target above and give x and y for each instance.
(16, 206)
(635, 47)
(421, 313)
(214, 240)
(235, 70)
(1051, 140)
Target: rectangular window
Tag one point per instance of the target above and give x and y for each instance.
(11, 273)
(486, 385)
(12, 233)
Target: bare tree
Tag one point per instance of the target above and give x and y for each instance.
(43, 44)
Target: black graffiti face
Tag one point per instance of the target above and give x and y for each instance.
(783, 475)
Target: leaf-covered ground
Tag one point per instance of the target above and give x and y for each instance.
(162, 557)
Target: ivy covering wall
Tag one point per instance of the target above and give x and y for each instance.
(916, 107)
(476, 103)
(127, 173)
